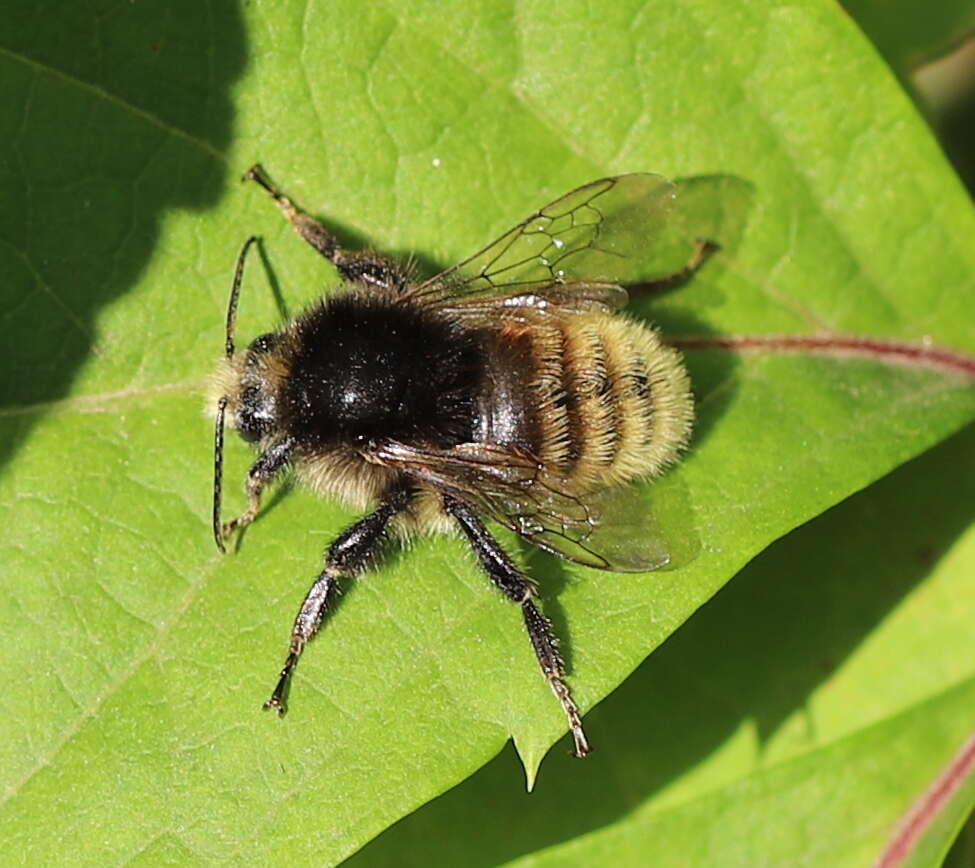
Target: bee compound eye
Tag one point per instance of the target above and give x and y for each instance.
(255, 414)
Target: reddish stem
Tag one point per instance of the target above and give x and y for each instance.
(927, 809)
(926, 354)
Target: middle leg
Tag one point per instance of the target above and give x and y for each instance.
(517, 588)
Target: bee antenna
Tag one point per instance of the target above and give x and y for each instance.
(218, 474)
(222, 405)
(235, 294)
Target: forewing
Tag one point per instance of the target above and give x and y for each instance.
(617, 530)
(579, 297)
(597, 235)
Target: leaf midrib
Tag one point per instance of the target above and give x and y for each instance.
(98, 91)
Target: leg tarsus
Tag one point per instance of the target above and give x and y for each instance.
(254, 489)
(257, 174)
(263, 471)
(279, 698)
(546, 647)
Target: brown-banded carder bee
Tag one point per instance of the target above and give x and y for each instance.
(508, 388)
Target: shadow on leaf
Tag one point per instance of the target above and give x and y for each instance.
(125, 119)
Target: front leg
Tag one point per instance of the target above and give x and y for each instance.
(517, 588)
(365, 267)
(351, 553)
(267, 466)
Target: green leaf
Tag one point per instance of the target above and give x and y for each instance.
(773, 816)
(797, 717)
(138, 658)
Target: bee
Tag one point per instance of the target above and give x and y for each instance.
(507, 388)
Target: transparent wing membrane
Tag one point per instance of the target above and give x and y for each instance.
(633, 528)
(599, 235)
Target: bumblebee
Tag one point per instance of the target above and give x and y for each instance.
(507, 388)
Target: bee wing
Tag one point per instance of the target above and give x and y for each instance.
(633, 529)
(611, 530)
(579, 246)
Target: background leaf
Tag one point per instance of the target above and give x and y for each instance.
(137, 730)
(908, 33)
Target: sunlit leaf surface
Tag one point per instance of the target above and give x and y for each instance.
(136, 657)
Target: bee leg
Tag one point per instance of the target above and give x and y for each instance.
(702, 251)
(354, 550)
(517, 588)
(263, 471)
(372, 270)
(366, 267)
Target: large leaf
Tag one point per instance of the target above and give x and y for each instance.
(137, 658)
(794, 718)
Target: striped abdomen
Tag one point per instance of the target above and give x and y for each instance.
(595, 396)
